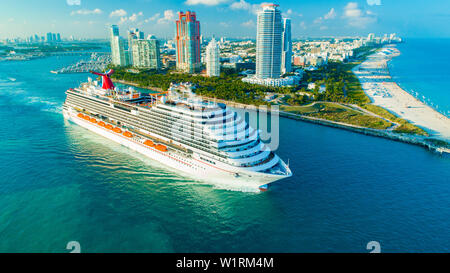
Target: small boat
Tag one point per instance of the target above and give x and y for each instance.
(161, 148)
(149, 143)
(127, 134)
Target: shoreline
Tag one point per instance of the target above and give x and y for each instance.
(427, 142)
(378, 85)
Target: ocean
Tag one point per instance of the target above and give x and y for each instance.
(61, 183)
(422, 69)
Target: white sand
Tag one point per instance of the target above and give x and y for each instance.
(378, 85)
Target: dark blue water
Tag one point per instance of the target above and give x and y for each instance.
(62, 183)
(423, 68)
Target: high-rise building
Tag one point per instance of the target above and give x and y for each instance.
(286, 56)
(117, 47)
(268, 42)
(133, 34)
(49, 37)
(213, 59)
(54, 37)
(188, 42)
(58, 37)
(146, 53)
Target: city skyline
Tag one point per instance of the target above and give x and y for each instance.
(229, 18)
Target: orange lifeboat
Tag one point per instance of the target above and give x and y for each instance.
(93, 120)
(101, 123)
(161, 148)
(150, 143)
(127, 134)
(87, 118)
(109, 126)
(117, 130)
(80, 115)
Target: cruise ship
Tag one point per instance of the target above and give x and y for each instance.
(200, 139)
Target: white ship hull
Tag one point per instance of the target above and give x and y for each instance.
(190, 166)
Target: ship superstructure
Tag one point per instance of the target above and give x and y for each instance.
(200, 138)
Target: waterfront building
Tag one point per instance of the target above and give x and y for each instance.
(117, 47)
(188, 42)
(58, 37)
(49, 37)
(213, 59)
(268, 42)
(133, 34)
(286, 57)
(146, 53)
(273, 41)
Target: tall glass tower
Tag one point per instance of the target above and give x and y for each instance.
(286, 57)
(117, 47)
(212, 59)
(188, 42)
(268, 42)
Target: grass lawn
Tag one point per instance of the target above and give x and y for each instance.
(338, 113)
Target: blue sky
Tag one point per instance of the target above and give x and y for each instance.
(229, 18)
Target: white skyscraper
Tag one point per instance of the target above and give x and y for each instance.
(146, 53)
(213, 59)
(268, 42)
(117, 48)
(286, 56)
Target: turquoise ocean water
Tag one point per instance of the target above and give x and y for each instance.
(423, 70)
(61, 183)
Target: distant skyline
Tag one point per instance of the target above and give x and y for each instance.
(224, 18)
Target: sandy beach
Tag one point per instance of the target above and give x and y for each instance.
(379, 86)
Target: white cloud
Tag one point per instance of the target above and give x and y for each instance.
(352, 10)
(73, 2)
(123, 20)
(356, 17)
(318, 20)
(135, 16)
(169, 16)
(86, 12)
(243, 5)
(330, 15)
(153, 18)
(224, 24)
(290, 13)
(249, 23)
(374, 2)
(205, 2)
(118, 13)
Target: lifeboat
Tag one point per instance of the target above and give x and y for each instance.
(117, 130)
(101, 123)
(161, 148)
(127, 134)
(150, 143)
(80, 115)
(93, 120)
(87, 118)
(109, 126)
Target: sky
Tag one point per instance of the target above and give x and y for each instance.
(224, 18)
